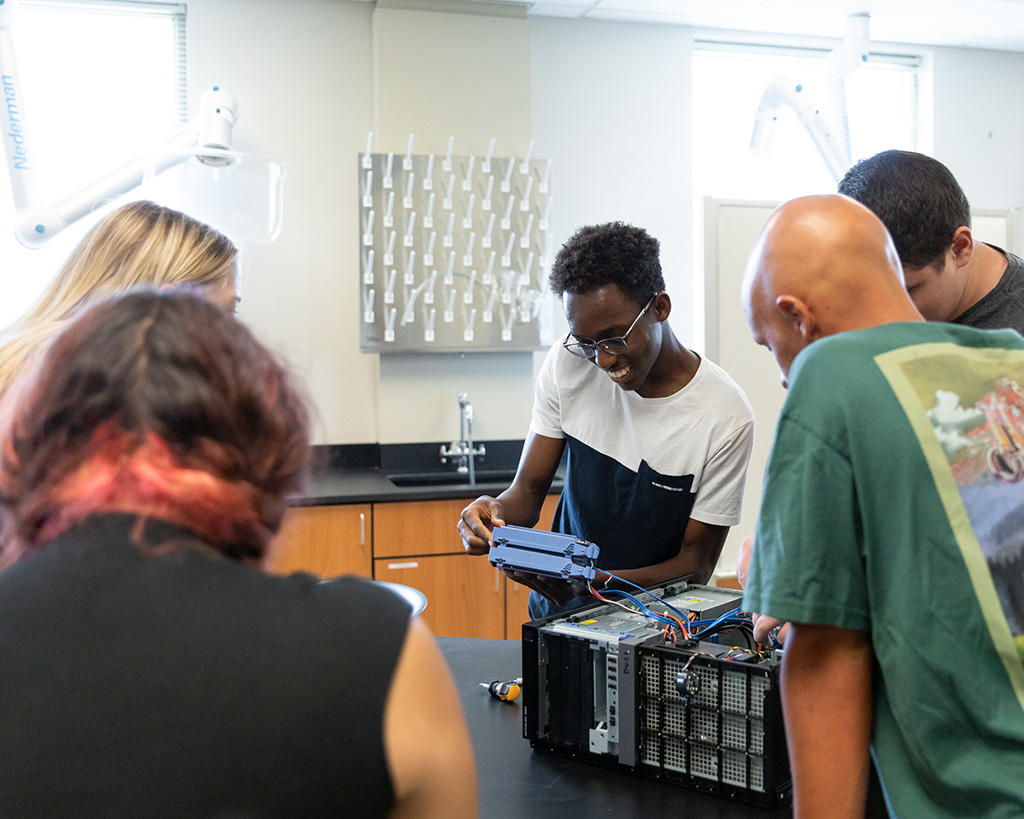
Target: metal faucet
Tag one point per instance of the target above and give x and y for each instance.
(463, 450)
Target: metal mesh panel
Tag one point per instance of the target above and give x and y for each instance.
(756, 736)
(704, 725)
(758, 688)
(734, 768)
(704, 761)
(734, 732)
(734, 692)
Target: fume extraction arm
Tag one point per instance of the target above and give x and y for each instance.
(208, 139)
(831, 136)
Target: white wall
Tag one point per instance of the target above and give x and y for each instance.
(609, 103)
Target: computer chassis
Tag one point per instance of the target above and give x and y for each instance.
(608, 687)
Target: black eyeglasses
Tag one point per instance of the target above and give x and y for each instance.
(612, 346)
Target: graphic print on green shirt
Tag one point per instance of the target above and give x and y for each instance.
(969, 419)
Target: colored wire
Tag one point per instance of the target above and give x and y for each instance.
(645, 591)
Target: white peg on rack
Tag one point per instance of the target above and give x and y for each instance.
(410, 269)
(428, 333)
(467, 220)
(507, 279)
(467, 296)
(524, 242)
(368, 271)
(428, 179)
(506, 220)
(489, 272)
(389, 288)
(467, 258)
(388, 181)
(448, 239)
(506, 183)
(389, 212)
(485, 166)
(543, 187)
(368, 191)
(545, 257)
(407, 161)
(447, 201)
(368, 312)
(428, 294)
(449, 313)
(389, 328)
(467, 334)
(367, 157)
(449, 275)
(524, 203)
(368, 233)
(506, 257)
(486, 241)
(524, 166)
(528, 268)
(467, 180)
(506, 330)
(389, 252)
(543, 223)
(409, 313)
(488, 315)
(447, 164)
(486, 203)
(408, 238)
(428, 217)
(407, 199)
(428, 257)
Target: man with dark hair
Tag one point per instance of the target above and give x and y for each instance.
(949, 276)
(889, 528)
(659, 438)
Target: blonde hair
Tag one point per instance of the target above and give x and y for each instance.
(139, 244)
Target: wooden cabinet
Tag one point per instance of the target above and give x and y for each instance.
(324, 540)
(414, 543)
(417, 528)
(465, 595)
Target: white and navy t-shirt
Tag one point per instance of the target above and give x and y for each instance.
(640, 468)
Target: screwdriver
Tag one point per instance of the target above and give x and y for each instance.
(504, 691)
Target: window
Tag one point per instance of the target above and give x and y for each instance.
(728, 81)
(101, 82)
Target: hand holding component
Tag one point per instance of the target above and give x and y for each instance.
(477, 523)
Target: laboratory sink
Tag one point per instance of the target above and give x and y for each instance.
(488, 476)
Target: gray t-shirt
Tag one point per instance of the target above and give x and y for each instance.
(1003, 306)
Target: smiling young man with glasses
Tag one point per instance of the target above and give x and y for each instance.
(658, 438)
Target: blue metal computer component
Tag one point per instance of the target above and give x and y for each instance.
(546, 553)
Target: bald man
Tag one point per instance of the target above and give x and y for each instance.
(891, 527)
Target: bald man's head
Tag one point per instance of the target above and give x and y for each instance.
(822, 265)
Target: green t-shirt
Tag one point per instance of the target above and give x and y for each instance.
(894, 504)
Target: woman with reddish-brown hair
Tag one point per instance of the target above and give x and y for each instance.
(147, 666)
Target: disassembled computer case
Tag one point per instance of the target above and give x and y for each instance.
(608, 686)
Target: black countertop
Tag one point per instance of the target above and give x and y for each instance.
(373, 473)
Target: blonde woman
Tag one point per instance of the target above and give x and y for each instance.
(139, 244)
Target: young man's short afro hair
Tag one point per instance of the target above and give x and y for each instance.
(612, 253)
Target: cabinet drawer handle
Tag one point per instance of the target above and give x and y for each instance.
(412, 565)
(362, 528)
(497, 579)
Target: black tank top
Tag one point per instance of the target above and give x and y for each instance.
(165, 680)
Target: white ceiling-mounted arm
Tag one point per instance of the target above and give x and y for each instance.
(251, 213)
(19, 160)
(784, 91)
(840, 63)
(210, 132)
